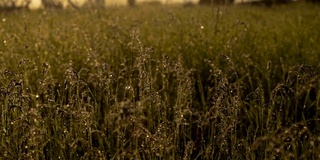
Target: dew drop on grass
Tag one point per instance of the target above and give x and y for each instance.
(312, 143)
(128, 87)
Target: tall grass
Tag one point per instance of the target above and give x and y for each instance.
(160, 83)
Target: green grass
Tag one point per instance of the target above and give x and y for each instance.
(155, 82)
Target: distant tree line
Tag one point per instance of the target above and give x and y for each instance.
(314, 1)
(59, 4)
(265, 2)
(7, 5)
(219, 2)
(131, 2)
(12, 4)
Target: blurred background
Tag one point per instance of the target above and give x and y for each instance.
(62, 4)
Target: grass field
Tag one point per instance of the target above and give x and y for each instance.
(161, 82)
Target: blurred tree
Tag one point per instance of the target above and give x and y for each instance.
(216, 2)
(253, 2)
(52, 4)
(59, 4)
(9, 5)
(314, 1)
(131, 2)
(98, 3)
(92, 4)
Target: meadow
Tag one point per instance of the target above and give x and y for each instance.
(161, 82)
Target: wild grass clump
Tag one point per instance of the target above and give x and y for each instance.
(234, 82)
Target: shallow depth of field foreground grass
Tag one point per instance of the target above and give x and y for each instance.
(234, 82)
